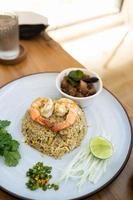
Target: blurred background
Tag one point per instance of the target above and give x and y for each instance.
(97, 33)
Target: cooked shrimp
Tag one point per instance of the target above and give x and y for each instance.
(40, 110)
(62, 107)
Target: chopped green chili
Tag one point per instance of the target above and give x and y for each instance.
(39, 176)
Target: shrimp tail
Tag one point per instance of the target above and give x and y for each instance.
(70, 119)
(43, 121)
(35, 115)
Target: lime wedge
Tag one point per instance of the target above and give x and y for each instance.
(101, 148)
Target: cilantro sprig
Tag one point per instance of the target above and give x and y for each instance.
(9, 148)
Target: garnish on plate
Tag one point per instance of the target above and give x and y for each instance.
(8, 146)
(101, 147)
(87, 167)
(39, 176)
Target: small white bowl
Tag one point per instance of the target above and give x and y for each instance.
(82, 101)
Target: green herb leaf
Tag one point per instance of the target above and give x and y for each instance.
(8, 146)
(1, 151)
(11, 158)
(76, 75)
(4, 123)
(72, 82)
(14, 145)
(5, 138)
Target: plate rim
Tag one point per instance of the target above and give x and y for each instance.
(113, 177)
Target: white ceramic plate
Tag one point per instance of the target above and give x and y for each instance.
(106, 113)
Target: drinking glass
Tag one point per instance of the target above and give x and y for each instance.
(9, 35)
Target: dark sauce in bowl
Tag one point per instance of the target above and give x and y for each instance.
(78, 84)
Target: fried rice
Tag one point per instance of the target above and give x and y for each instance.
(51, 143)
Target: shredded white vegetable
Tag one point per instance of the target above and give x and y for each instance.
(85, 167)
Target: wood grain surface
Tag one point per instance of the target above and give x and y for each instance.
(45, 55)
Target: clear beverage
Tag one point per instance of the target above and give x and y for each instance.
(9, 36)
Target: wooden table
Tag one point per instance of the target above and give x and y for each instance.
(45, 55)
